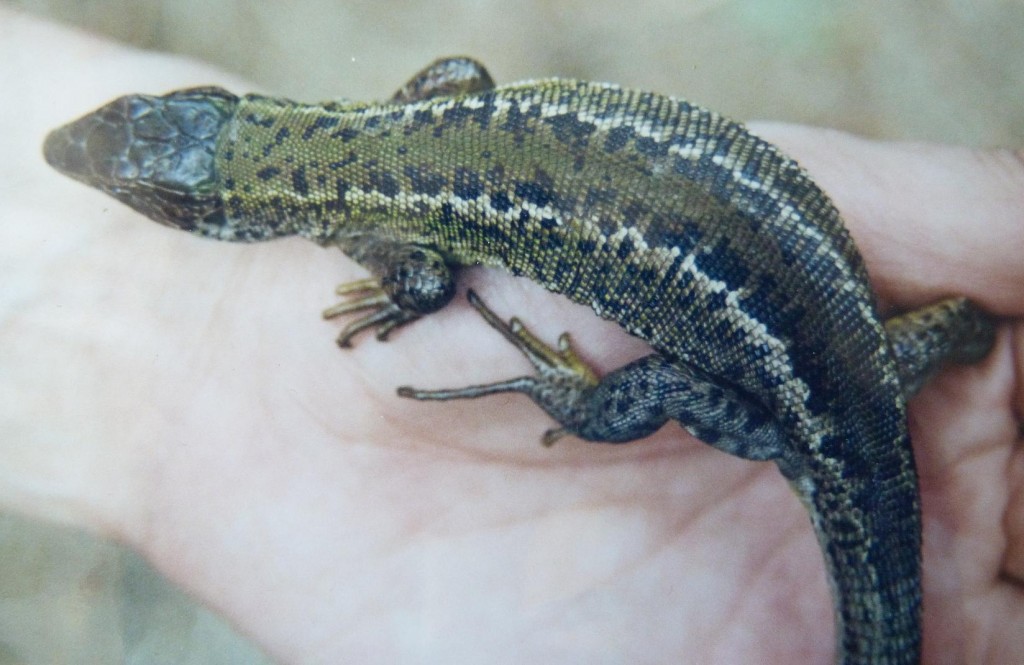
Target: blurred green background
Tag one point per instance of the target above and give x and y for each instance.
(939, 70)
(943, 70)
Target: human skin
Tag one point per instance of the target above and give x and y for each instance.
(183, 396)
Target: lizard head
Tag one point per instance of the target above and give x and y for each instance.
(155, 154)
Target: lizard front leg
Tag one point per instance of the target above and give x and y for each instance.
(409, 280)
(445, 77)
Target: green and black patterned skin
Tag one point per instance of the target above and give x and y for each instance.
(673, 221)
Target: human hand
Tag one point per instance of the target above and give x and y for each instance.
(183, 396)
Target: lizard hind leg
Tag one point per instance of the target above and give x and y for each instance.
(953, 330)
(629, 403)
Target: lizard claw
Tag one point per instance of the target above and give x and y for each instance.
(561, 381)
(367, 294)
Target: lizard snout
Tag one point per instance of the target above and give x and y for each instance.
(156, 154)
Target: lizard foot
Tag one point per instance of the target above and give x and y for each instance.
(562, 376)
(367, 294)
(409, 281)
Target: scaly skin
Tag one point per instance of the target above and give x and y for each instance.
(665, 217)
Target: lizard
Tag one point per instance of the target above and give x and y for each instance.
(672, 220)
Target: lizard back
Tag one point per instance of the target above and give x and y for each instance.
(665, 217)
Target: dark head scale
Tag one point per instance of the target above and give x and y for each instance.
(155, 154)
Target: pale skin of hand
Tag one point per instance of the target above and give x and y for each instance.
(182, 396)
